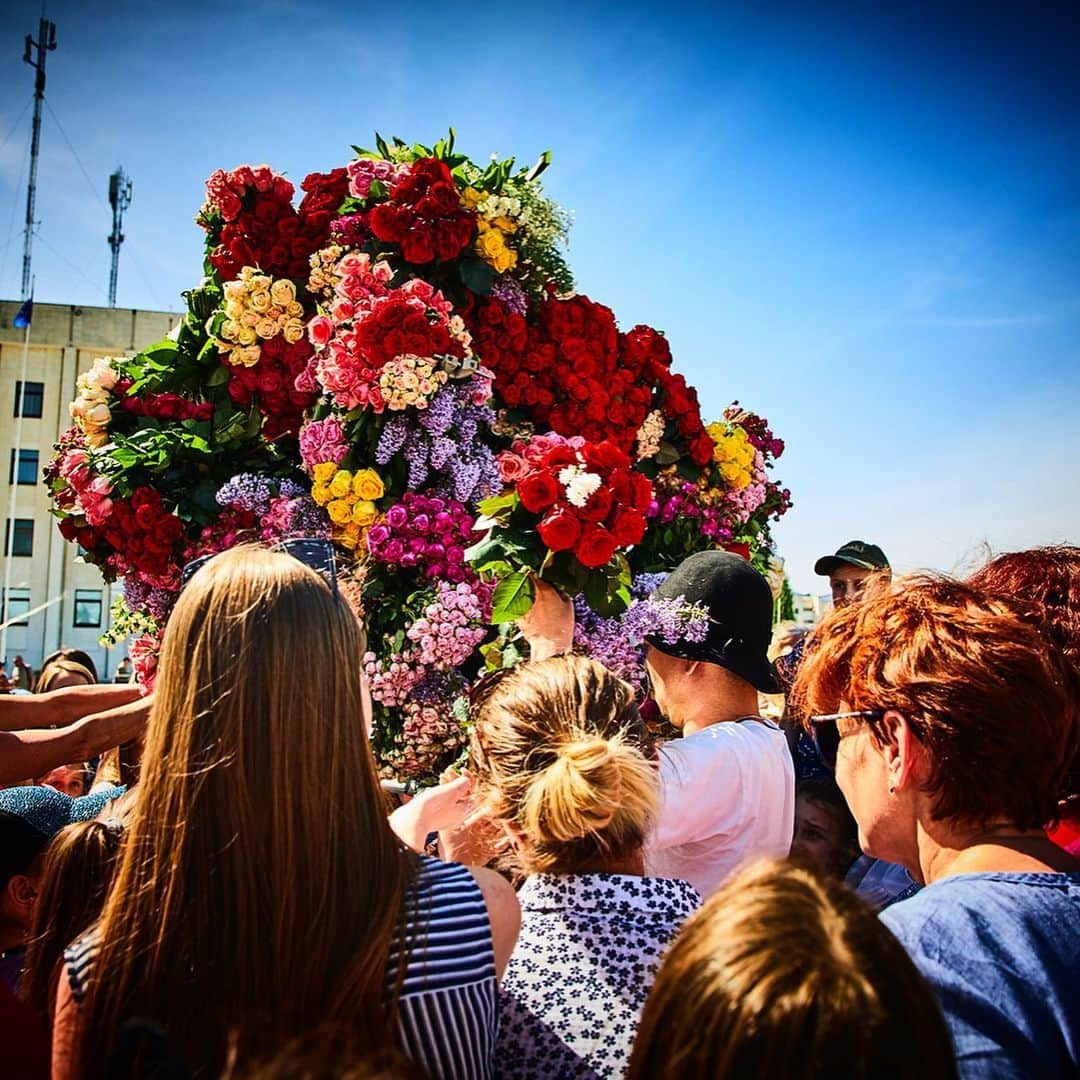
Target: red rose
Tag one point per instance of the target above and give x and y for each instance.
(598, 506)
(701, 449)
(737, 547)
(418, 246)
(604, 455)
(628, 527)
(560, 530)
(538, 491)
(643, 491)
(390, 223)
(596, 547)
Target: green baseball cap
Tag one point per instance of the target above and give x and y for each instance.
(854, 553)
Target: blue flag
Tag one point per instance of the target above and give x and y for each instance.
(24, 315)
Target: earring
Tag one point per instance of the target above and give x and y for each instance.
(892, 789)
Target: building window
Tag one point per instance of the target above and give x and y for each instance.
(25, 471)
(20, 540)
(87, 607)
(32, 397)
(17, 606)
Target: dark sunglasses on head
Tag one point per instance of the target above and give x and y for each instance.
(826, 735)
(312, 551)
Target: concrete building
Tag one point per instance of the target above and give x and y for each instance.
(810, 608)
(56, 599)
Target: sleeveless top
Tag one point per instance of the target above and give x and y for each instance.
(448, 1008)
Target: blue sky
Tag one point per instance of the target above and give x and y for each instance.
(864, 224)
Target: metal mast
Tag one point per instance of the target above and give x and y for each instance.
(119, 200)
(44, 45)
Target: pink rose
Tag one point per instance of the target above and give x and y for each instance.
(511, 467)
(320, 330)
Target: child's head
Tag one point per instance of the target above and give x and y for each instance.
(826, 836)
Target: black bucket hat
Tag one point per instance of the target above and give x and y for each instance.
(740, 607)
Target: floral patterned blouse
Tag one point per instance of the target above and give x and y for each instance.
(585, 960)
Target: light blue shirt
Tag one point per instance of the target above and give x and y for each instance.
(1003, 953)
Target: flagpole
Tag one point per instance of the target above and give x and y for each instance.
(9, 533)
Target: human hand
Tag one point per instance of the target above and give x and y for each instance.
(548, 626)
(445, 806)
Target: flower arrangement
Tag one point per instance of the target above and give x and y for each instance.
(400, 362)
(571, 508)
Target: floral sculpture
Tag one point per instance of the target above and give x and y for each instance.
(399, 362)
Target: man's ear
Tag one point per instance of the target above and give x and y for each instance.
(904, 754)
(21, 892)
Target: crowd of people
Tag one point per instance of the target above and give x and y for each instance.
(884, 884)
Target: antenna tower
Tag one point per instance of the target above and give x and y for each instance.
(44, 45)
(119, 200)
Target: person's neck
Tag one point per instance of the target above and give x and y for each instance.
(631, 864)
(726, 699)
(11, 937)
(1001, 847)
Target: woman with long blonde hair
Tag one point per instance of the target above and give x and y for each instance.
(261, 892)
(563, 766)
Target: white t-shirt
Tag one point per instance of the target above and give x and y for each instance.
(727, 795)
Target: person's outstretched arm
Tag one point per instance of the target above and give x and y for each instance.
(26, 754)
(58, 708)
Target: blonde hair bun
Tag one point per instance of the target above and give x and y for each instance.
(559, 754)
(577, 794)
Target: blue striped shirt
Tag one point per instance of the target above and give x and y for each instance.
(448, 1009)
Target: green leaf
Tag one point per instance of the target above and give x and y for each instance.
(477, 275)
(380, 142)
(542, 162)
(513, 597)
(484, 551)
(667, 454)
(219, 376)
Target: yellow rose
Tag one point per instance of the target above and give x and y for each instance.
(368, 485)
(294, 331)
(506, 224)
(323, 473)
(235, 291)
(505, 260)
(247, 336)
(260, 301)
(365, 513)
(234, 311)
(294, 310)
(321, 493)
(340, 511)
(259, 283)
(230, 330)
(283, 292)
(471, 198)
(266, 329)
(491, 242)
(247, 355)
(347, 539)
(341, 485)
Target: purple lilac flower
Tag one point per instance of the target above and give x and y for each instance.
(442, 444)
(246, 492)
(619, 643)
(510, 294)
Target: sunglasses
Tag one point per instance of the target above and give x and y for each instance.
(826, 734)
(312, 551)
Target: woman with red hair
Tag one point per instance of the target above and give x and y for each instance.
(1048, 578)
(950, 720)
